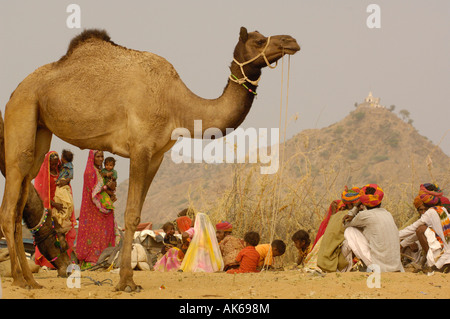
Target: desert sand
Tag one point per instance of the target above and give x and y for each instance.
(290, 284)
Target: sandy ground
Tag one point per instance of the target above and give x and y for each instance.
(291, 284)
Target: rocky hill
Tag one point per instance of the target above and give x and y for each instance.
(370, 145)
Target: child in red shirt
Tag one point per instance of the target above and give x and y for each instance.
(248, 258)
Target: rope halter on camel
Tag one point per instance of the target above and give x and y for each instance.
(241, 65)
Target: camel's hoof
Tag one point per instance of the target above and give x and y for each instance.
(129, 288)
(25, 285)
(35, 286)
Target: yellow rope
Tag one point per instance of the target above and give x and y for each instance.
(278, 182)
(241, 65)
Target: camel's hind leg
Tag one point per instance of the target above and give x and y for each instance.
(20, 144)
(14, 200)
(139, 184)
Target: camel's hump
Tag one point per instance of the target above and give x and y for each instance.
(86, 35)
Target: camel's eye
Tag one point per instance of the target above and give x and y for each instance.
(260, 42)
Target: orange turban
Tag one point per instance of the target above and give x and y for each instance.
(369, 200)
(430, 198)
(183, 223)
(418, 202)
(350, 196)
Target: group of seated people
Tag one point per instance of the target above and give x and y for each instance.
(203, 248)
(356, 233)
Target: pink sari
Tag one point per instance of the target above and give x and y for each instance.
(45, 185)
(96, 222)
(171, 261)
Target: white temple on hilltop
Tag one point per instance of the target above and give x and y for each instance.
(371, 101)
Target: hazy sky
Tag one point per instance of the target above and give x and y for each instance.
(405, 62)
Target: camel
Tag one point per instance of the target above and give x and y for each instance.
(103, 96)
(33, 214)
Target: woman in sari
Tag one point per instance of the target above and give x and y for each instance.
(45, 184)
(203, 254)
(96, 222)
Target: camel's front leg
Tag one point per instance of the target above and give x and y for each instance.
(142, 170)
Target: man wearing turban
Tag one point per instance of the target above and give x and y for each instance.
(229, 245)
(371, 233)
(350, 196)
(432, 229)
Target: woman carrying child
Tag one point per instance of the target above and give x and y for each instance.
(63, 192)
(96, 222)
(45, 184)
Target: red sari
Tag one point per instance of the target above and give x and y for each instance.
(96, 222)
(45, 184)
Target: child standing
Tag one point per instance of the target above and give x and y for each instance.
(63, 192)
(248, 258)
(109, 175)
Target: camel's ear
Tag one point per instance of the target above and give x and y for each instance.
(243, 34)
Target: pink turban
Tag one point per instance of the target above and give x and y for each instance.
(370, 200)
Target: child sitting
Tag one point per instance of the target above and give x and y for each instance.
(248, 258)
(170, 240)
(303, 244)
(268, 251)
(109, 175)
(63, 192)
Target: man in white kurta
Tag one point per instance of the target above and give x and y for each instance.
(438, 253)
(381, 246)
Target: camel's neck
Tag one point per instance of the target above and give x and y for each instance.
(227, 111)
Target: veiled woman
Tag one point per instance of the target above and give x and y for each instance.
(96, 222)
(45, 184)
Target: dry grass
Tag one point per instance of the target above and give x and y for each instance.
(278, 205)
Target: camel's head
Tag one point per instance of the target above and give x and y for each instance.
(49, 237)
(263, 49)
(54, 247)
